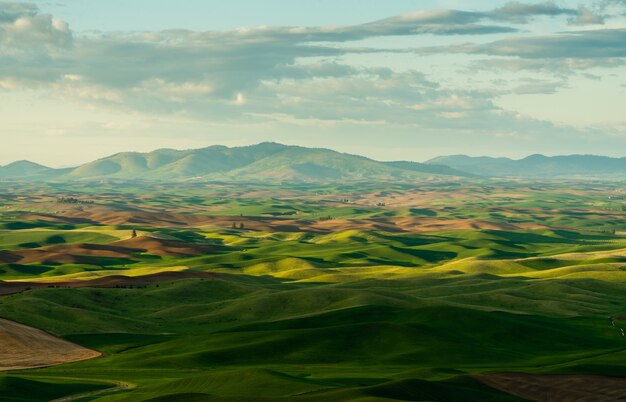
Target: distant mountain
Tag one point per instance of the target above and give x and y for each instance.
(265, 161)
(429, 168)
(23, 169)
(536, 165)
(272, 161)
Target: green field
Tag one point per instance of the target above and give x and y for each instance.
(326, 292)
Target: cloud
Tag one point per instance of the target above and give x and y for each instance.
(587, 17)
(520, 12)
(229, 62)
(588, 44)
(278, 74)
(22, 27)
(577, 49)
(439, 22)
(9, 11)
(186, 63)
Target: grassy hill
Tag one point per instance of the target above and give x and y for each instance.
(237, 337)
(365, 291)
(536, 165)
(262, 161)
(265, 161)
(429, 168)
(23, 169)
(272, 161)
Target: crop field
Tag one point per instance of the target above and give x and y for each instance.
(437, 290)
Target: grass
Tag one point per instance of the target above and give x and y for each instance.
(33, 238)
(26, 389)
(248, 325)
(360, 314)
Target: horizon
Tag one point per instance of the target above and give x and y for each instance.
(296, 145)
(401, 81)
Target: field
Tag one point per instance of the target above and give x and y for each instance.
(442, 290)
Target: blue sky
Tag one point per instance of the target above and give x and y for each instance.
(391, 80)
(224, 15)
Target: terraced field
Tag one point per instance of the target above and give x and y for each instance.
(493, 291)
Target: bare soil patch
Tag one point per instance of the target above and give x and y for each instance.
(161, 247)
(558, 388)
(85, 253)
(24, 347)
(11, 287)
(403, 224)
(277, 224)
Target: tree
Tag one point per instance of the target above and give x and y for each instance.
(241, 225)
(134, 234)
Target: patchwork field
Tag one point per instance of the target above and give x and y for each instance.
(489, 290)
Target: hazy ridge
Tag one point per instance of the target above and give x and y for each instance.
(265, 161)
(273, 161)
(535, 165)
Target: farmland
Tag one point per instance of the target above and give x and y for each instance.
(220, 291)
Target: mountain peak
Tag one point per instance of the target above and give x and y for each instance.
(23, 168)
(24, 163)
(265, 161)
(536, 157)
(274, 161)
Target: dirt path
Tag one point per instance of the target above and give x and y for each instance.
(558, 388)
(23, 347)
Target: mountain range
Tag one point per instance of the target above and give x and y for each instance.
(265, 161)
(272, 161)
(536, 166)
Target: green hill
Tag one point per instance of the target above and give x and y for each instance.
(429, 168)
(268, 161)
(273, 161)
(536, 165)
(23, 169)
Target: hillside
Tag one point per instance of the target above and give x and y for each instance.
(279, 291)
(265, 161)
(433, 168)
(536, 165)
(25, 347)
(23, 168)
(273, 161)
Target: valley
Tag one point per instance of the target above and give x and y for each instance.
(316, 291)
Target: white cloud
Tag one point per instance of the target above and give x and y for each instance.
(452, 115)
(300, 75)
(587, 17)
(23, 28)
(240, 99)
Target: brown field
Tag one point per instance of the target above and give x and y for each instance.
(24, 347)
(11, 287)
(272, 224)
(404, 224)
(92, 253)
(558, 388)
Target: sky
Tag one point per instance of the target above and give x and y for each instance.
(393, 80)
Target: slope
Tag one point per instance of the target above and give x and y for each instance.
(265, 161)
(535, 165)
(26, 347)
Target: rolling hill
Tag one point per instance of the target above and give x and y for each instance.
(273, 161)
(537, 166)
(26, 347)
(23, 169)
(265, 161)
